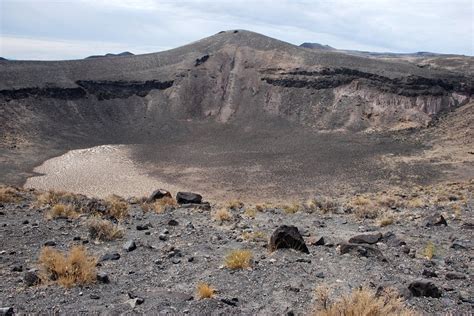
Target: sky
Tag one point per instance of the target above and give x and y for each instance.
(74, 29)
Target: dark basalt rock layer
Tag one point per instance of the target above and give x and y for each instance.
(103, 90)
(410, 86)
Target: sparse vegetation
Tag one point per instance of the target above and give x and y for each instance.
(368, 212)
(415, 203)
(360, 200)
(51, 198)
(160, 205)
(222, 215)
(254, 236)
(429, 251)
(76, 267)
(117, 207)
(250, 213)
(292, 208)
(235, 204)
(101, 229)
(204, 290)
(238, 259)
(362, 302)
(386, 220)
(62, 211)
(9, 194)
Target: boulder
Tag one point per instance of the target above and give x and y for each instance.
(6, 311)
(130, 246)
(188, 198)
(287, 237)
(366, 239)
(157, 195)
(435, 220)
(363, 250)
(424, 288)
(103, 277)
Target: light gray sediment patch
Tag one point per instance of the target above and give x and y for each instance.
(97, 171)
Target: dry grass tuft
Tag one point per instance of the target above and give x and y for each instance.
(204, 290)
(429, 251)
(250, 213)
(386, 220)
(235, 204)
(238, 259)
(117, 207)
(62, 211)
(159, 206)
(51, 198)
(366, 212)
(222, 215)
(415, 203)
(360, 200)
(74, 268)
(292, 208)
(101, 229)
(362, 302)
(9, 194)
(327, 206)
(254, 236)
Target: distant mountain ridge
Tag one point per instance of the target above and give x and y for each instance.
(111, 55)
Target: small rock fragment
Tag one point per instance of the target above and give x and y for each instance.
(157, 195)
(130, 246)
(31, 278)
(103, 277)
(110, 256)
(435, 220)
(173, 222)
(455, 276)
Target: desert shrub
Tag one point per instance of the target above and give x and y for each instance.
(429, 251)
(238, 259)
(415, 203)
(9, 194)
(222, 215)
(51, 198)
(62, 211)
(117, 207)
(291, 208)
(362, 302)
(327, 206)
(204, 290)
(159, 205)
(360, 200)
(250, 213)
(386, 220)
(254, 236)
(76, 267)
(101, 229)
(367, 212)
(235, 204)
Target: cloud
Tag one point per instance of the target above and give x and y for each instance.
(378, 25)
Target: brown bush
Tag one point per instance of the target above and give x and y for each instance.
(101, 229)
(74, 268)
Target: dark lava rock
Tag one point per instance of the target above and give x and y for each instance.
(429, 274)
(231, 302)
(6, 311)
(31, 278)
(103, 277)
(201, 60)
(157, 195)
(363, 250)
(392, 240)
(366, 239)
(130, 246)
(94, 296)
(458, 246)
(467, 226)
(435, 220)
(424, 288)
(188, 197)
(17, 268)
(50, 243)
(455, 276)
(287, 237)
(173, 222)
(144, 226)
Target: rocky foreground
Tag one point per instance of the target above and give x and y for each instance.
(164, 255)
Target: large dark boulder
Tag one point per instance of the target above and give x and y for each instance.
(188, 198)
(363, 250)
(424, 288)
(366, 239)
(157, 195)
(287, 237)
